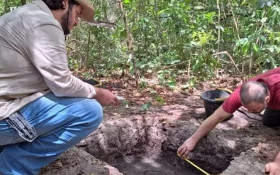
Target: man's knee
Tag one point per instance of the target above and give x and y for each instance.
(93, 112)
(269, 123)
(271, 118)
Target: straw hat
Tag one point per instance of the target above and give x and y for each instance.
(88, 10)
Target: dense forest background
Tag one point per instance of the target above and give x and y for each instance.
(168, 38)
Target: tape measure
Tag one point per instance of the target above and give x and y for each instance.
(197, 167)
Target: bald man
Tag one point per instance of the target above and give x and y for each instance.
(256, 95)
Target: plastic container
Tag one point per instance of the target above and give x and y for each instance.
(213, 99)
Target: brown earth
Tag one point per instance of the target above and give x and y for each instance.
(142, 134)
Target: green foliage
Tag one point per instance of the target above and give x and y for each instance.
(143, 84)
(263, 3)
(145, 107)
(261, 36)
(167, 77)
(167, 36)
(160, 100)
(9, 5)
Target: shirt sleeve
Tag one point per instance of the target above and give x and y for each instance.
(46, 47)
(233, 102)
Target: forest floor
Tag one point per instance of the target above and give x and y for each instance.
(140, 136)
(152, 95)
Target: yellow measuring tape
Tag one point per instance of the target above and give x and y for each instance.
(190, 162)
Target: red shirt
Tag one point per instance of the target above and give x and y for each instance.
(271, 78)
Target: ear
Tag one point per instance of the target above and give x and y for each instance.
(267, 99)
(64, 4)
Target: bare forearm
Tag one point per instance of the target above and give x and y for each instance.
(210, 123)
(204, 128)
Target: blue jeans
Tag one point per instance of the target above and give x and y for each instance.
(60, 122)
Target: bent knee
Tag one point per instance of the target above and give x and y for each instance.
(271, 121)
(93, 112)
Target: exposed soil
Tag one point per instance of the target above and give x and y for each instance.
(142, 134)
(167, 164)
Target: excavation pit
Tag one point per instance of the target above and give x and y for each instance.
(166, 164)
(147, 146)
(141, 146)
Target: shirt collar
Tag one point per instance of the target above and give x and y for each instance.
(43, 6)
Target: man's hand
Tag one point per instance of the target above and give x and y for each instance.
(273, 168)
(105, 97)
(186, 147)
(208, 124)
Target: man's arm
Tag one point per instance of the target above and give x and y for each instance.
(45, 49)
(273, 168)
(210, 123)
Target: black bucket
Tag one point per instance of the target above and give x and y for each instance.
(213, 99)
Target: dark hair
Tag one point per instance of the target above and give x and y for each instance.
(253, 91)
(57, 4)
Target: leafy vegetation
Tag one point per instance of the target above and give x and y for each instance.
(171, 37)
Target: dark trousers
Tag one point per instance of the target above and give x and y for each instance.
(271, 117)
